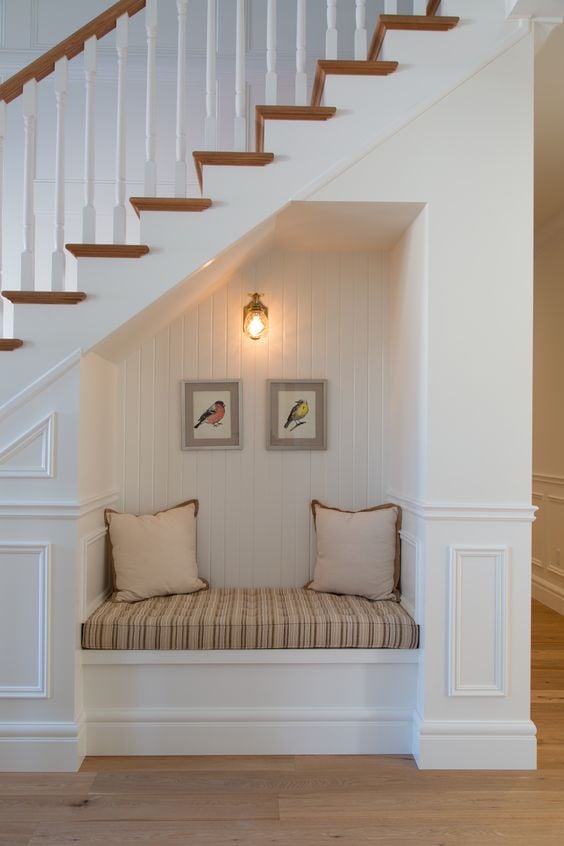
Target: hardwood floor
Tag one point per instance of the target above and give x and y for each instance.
(304, 801)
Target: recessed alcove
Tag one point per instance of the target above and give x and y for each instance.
(345, 287)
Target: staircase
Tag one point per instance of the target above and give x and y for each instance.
(409, 63)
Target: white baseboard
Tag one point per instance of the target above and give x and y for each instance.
(549, 594)
(475, 745)
(42, 747)
(232, 731)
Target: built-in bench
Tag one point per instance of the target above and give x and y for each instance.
(251, 618)
(249, 671)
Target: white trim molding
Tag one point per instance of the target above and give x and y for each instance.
(58, 510)
(474, 744)
(249, 731)
(42, 747)
(38, 688)
(464, 511)
(43, 434)
(465, 558)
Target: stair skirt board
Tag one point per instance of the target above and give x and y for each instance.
(346, 67)
(169, 204)
(44, 297)
(263, 113)
(423, 23)
(107, 250)
(333, 702)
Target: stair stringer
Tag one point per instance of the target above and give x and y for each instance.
(306, 155)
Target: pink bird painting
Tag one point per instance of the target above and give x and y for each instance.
(212, 415)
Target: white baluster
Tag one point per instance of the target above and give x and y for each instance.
(30, 138)
(419, 7)
(58, 257)
(89, 212)
(181, 170)
(151, 105)
(391, 7)
(122, 32)
(271, 91)
(2, 140)
(210, 132)
(240, 85)
(331, 34)
(360, 35)
(301, 76)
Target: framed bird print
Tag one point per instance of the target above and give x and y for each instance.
(211, 414)
(297, 412)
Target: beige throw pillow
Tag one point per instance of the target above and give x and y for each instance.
(358, 552)
(154, 554)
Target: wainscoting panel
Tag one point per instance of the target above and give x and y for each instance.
(95, 570)
(24, 620)
(548, 541)
(478, 634)
(254, 524)
(32, 454)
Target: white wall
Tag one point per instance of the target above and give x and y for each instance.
(548, 443)
(326, 321)
(469, 157)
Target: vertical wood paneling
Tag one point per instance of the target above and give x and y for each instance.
(375, 352)
(333, 375)
(162, 419)
(147, 417)
(254, 525)
(347, 331)
(275, 300)
(362, 371)
(235, 505)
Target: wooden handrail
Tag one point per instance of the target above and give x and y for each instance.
(70, 47)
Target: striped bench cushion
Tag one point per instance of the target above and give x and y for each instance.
(251, 618)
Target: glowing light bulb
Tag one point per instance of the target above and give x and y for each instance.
(256, 325)
(255, 318)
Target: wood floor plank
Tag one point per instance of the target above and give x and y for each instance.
(137, 808)
(267, 833)
(190, 763)
(34, 784)
(16, 834)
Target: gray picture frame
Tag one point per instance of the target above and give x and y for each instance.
(231, 392)
(298, 387)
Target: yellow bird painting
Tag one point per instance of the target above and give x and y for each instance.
(296, 416)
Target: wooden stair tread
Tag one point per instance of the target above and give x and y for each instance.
(228, 159)
(317, 113)
(44, 297)
(423, 23)
(169, 204)
(10, 344)
(346, 67)
(107, 250)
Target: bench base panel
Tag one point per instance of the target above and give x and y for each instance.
(257, 702)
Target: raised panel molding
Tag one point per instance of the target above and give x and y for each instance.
(32, 454)
(38, 685)
(90, 542)
(411, 590)
(478, 621)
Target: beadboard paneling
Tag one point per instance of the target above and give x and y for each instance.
(254, 525)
